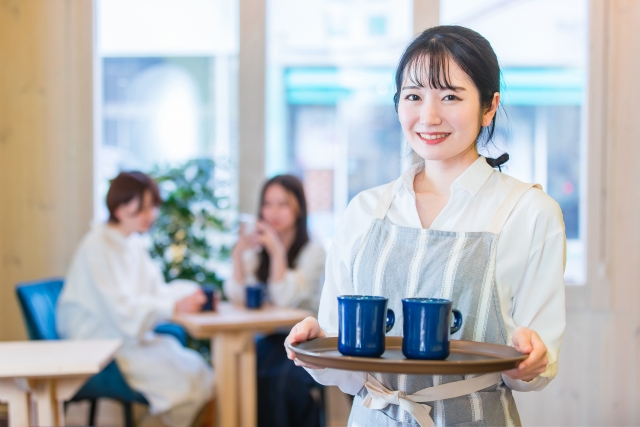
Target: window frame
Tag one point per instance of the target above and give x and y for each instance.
(596, 291)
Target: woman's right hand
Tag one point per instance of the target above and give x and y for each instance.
(306, 330)
(245, 241)
(191, 304)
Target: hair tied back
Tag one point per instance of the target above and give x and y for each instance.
(497, 163)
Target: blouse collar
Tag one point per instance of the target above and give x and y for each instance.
(114, 234)
(472, 179)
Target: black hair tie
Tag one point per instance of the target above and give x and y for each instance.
(498, 162)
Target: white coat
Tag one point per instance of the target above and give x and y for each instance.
(113, 289)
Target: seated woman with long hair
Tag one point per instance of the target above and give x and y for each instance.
(280, 254)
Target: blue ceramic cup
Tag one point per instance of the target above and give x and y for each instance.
(427, 327)
(209, 292)
(254, 296)
(363, 322)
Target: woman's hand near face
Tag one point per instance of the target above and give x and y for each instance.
(271, 242)
(306, 330)
(191, 304)
(269, 239)
(528, 342)
(245, 241)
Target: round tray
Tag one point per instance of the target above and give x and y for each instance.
(466, 357)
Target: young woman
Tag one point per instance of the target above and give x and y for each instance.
(114, 289)
(280, 254)
(452, 227)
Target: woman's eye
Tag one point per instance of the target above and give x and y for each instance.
(412, 97)
(450, 98)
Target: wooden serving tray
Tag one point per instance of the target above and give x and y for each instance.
(466, 357)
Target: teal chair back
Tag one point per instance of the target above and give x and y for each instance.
(38, 301)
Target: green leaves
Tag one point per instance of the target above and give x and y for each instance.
(191, 236)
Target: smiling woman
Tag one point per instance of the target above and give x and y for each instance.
(439, 82)
(451, 227)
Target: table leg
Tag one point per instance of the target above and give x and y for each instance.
(224, 361)
(44, 393)
(234, 361)
(18, 401)
(248, 386)
(65, 389)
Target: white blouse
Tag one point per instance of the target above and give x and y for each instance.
(114, 289)
(529, 265)
(299, 288)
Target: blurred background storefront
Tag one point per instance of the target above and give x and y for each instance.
(265, 87)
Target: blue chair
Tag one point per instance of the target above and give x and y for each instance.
(38, 301)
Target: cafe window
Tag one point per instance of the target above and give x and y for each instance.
(542, 49)
(330, 114)
(167, 79)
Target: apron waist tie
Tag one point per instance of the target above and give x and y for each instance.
(379, 397)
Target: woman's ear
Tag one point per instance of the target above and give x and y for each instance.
(117, 214)
(488, 115)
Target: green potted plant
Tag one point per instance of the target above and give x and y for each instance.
(190, 238)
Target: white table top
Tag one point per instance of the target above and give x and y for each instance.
(59, 358)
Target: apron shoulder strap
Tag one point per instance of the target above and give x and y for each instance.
(384, 202)
(507, 205)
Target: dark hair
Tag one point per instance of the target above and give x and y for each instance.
(292, 185)
(468, 49)
(128, 186)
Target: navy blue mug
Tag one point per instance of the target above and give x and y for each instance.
(427, 327)
(363, 322)
(254, 295)
(209, 292)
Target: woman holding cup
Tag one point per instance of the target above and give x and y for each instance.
(276, 251)
(451, 227)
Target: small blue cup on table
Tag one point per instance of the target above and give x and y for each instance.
(363, 322)
(255, 295)
(427, 327)
(209, 293)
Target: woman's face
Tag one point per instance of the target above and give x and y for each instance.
(133, 219)
(440, 124)
(280, 208)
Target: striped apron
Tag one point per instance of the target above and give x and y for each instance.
(402, 262)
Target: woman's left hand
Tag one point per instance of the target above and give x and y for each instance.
(528, 342)
(268, 238)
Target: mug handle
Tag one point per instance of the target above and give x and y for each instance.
(457, 321)
(391, 319)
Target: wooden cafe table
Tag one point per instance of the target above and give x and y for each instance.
(232, 330)
(46, 374)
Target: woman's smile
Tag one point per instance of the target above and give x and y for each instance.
(433, 138)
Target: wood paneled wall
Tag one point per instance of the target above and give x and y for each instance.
(46, 142)
(599, 374)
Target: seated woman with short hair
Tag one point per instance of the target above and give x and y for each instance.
(114, 289)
